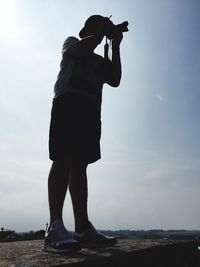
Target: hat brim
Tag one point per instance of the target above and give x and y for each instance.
(82, 33)
(92, 20)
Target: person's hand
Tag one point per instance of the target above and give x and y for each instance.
(117, 38)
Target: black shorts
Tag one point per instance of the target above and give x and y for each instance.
(75, 129)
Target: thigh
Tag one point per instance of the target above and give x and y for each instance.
(75, 129)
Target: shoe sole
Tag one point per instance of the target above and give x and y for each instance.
(60, 251)
(96, 245)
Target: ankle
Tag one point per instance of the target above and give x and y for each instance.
(83, 227)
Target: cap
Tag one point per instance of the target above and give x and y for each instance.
(93, 20)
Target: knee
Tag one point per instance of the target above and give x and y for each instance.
(78, 167)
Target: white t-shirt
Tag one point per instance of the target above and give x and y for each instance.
(85, 75)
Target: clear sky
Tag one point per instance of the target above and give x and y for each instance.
(149, 174)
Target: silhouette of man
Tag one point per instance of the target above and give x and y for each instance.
(75, 130)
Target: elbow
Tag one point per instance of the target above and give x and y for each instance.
(116, 82)
(113, 83)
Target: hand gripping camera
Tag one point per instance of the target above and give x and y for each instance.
(122, 27)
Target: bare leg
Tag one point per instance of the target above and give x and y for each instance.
(57, 186)
(79, 194)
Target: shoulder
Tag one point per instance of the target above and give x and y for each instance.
(71, 40)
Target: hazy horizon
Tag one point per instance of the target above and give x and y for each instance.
(115, 230)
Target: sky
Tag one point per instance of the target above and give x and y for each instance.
(149, 174)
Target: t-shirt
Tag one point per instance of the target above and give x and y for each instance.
(85, 75)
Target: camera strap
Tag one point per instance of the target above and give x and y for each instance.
(106, 48)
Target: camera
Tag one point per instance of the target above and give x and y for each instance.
(122, 27)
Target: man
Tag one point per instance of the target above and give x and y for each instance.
(75, 130)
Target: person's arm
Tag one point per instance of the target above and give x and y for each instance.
(114, 73)
(85, 46)
(88, 44)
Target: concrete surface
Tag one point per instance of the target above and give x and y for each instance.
(127, 253)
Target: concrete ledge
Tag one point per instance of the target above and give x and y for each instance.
(137, 253)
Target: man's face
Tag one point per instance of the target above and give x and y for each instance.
(92, 29)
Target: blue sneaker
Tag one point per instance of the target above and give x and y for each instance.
(58, 240)
(91, 238)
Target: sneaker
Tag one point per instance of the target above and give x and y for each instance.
(90, 238)
(58, 239)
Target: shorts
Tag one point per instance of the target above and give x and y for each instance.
(75, 129)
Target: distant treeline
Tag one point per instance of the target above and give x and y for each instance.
(6, 236)
(155, 234)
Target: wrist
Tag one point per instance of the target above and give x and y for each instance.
(115, 47)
